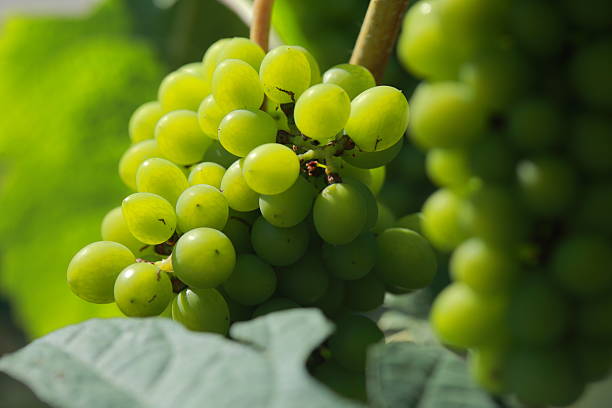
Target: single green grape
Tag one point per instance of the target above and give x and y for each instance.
(209, 117)
(242, 130)
(150, 217)
(114, 228)
(350, 342)
(252, 282)
(290, 207)
(236, 85)
(370, 160)
(304, 282)
(143, 121)
(203, 258)
(339, 213)
(142, 290)
(279, 246)
(285, 73)
(441, 220)
(201, 206)
(405, 259)
(180, 138)
(437, 108)
(209, 173)
(201, 310)
(133, 158)
(93, 270)
(242, 49)
(332, 301)
(353, 260)
(161, 177)
(354, 79)
(217, 154)
(238, 230)
(322, 111)
(448, 167)
(182, 90)
(271, 168)
(276, 304)
(239, 195)
(412, 222)
(378, 119)
(364, 294)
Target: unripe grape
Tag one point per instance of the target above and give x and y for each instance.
(180, 137)
(206, 173)
(201, 310)
(182, 90)
(143, 121)
(236, 86)
(239, 195)
(354, 79)
(252, 282)
(339, 213)
(350, 342)
(242, 130)
(285, 73)
(271, 168)
(161, 177)
(322, 111)
(279, 246)
(201, 206)
(241, 49)
(142, 290)
(133, 158)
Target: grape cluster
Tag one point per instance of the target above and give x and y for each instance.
(515, 114)
(255, 182)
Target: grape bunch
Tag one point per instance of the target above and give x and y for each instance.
(255, 180)
(515, 113)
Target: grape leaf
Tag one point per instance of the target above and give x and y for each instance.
(408, 375)
(150, 363)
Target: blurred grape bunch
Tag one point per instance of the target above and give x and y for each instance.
(67, 89)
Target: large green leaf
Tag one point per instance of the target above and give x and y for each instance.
(146, 363)
(407, 375)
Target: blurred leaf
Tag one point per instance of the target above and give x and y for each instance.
(408, 375)
(138, 363)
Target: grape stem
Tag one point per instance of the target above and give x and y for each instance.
(246, 11)
(377, 36)
(260, 27)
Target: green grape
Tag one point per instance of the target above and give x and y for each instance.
(114, 228)
(194, 68)
(252, 282)
(331, 303)
(543, 376)
(142, 290)
(405, 259)
(235, 85)
(161, 177)
(463, 318)
(590, 143)
(217, 154)
(593, 214)
(206, 173)
(275, 304)
(285, 73)
(369, 199)
(238, 230)
(370, 160)
(548, 185)
(203, 258)
(347, 383)
(150, 217)
(593, 360)
(486, 366)
(353, 260)
(211, 59)
(492, 160)
(315, 71)
(538, 26)
(242, 130)
(538, 313)
(354, 79)
(372, 178)
(386, 218)
(182, 90)
(448, 167)
(350, 342)
(535, 124)
(378, 119)
(133, 158)
(180, 138)
(582, 265)
(304, 282)
(364, 294)
(590, 70)
(242, 49)
(491, 213)
(279, 246)
(290, 207)
(339, 213)
(209, 117)
(441, 220)
(484, 268)
(437, 109)
(423, 48)
(92, 271)
(322, 111)
(271, 168)
(239, 195)
(201, 310)
(593, 319)
(201, 206)
(498, 78)
(143, 121)
(412, 222)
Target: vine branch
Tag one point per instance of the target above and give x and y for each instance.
(246, 11)
(260, 27)
(377, 36)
